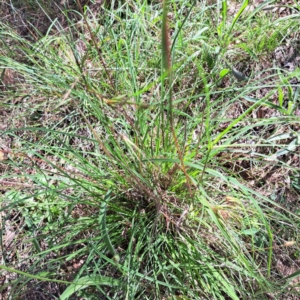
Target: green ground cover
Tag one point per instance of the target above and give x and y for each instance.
(150, 150)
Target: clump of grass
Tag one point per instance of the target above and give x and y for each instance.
(142, 175)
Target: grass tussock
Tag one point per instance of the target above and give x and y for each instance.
(150, 150)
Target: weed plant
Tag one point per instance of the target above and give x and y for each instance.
(137, 156)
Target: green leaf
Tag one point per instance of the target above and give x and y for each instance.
(268, 104)
(293, 275)
(224, 72)
(280, 96)
(251, 231)
(237, 16)
(88, 281)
